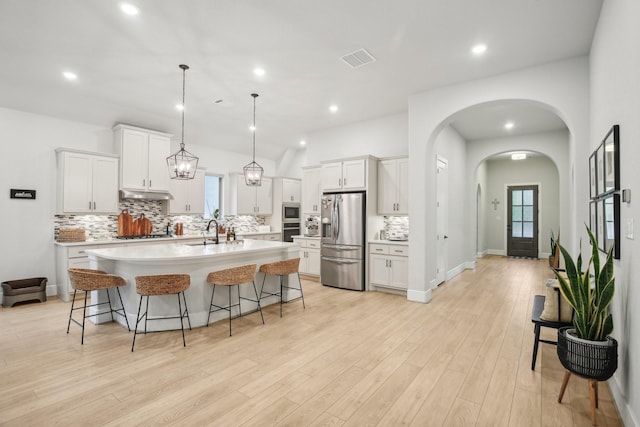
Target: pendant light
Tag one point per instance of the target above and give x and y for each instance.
(182, 164)
(253, 171)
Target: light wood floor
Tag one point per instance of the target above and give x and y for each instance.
(350, 358)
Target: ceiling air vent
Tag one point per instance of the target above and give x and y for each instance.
(358, 58)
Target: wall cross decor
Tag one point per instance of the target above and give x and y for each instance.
(495, 202)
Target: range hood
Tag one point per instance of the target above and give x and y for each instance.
(145, 195)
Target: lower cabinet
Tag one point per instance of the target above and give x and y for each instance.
(69, 257)
(274, 237)
(389, 266)
(309, 255)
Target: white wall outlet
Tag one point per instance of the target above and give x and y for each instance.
(630, 228)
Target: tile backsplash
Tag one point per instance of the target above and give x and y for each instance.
(396, 226)
(102, 227)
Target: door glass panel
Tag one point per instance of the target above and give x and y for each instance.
(527, 213)
(527, 197)
(516, 197)
(516, 213)
(516, 229)
(527, 229)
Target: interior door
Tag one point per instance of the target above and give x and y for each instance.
(442, 225)
(522, 224)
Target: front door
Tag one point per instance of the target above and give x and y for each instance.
(522, 226)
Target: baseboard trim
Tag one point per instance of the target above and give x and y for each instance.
(419, 296)
(624, 409)
(500, 252)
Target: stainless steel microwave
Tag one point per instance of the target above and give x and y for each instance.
(291, 212)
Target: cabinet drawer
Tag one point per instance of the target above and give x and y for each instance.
(375, 248)
(78, 251)
(399, 250)
(313, 243)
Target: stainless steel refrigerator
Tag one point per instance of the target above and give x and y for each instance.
(342, 221)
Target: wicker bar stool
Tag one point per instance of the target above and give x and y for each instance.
(162, 284)
(86, 280)
(233, 277)
(281, 268)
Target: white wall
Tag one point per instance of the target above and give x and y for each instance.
(29, 159)
(615, 99)
(452, 147)
(481, 209)
(382, 137)
(533, 170)
(561, 87)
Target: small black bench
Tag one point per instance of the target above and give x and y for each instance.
(538, 308)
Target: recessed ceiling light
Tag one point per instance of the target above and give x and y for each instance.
(70, 76)
(129, 9)
(518, 156)
(303, 142)
(333, 108)
(179, 107)
(479, 49)
(508, 125)
(258, 72)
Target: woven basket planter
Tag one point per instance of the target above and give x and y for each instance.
(596, 360)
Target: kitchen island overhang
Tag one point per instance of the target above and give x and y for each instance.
(197, 261)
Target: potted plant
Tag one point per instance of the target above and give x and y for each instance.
(586, 349)
(554, 258)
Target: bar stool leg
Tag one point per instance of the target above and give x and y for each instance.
(281, 294)
(211, 304)
(110, 307)
(124, 312)
(84, 316)
(146, 315)
(229, 287)
(258, 300)
(186, 310)
(71, 312)
(301, 293)
(135, 331)
(184, 342)
(239, 301)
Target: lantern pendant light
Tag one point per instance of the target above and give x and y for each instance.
(253, 171)
(182, 164)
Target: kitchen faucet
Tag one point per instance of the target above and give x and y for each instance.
(209, 226)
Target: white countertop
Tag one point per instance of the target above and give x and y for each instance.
(155, 253)
(176, 239)
(390, 242)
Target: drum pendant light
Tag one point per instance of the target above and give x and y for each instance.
(182, 164)
(253, 171)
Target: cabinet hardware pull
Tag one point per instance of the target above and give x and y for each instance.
(149, 183)
(89, 204)
(94, 206)
(344, 182)
(144, 181)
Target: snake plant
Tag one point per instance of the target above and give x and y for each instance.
(591, 319)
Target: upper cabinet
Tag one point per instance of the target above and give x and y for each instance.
(393, 185)
(247, 200)
(143, 155)
(188, 195)
(290, 190)
(344, 175)
(311, 191)
(87, 182)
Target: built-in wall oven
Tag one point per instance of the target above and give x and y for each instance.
(290, 221)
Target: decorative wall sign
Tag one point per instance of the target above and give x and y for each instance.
(22, 194)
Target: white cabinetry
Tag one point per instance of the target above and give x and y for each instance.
(344, 175)
(274, 237)
(290, 190)
(311, 192)
(188, 195)
(247, 200)
(143, 155)
(87, 182)
(69, 257)
(309, 255)
(393, 185)
(389, 266)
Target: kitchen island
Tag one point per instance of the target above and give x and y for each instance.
(198, 261)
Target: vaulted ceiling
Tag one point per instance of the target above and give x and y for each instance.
(127, 66)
